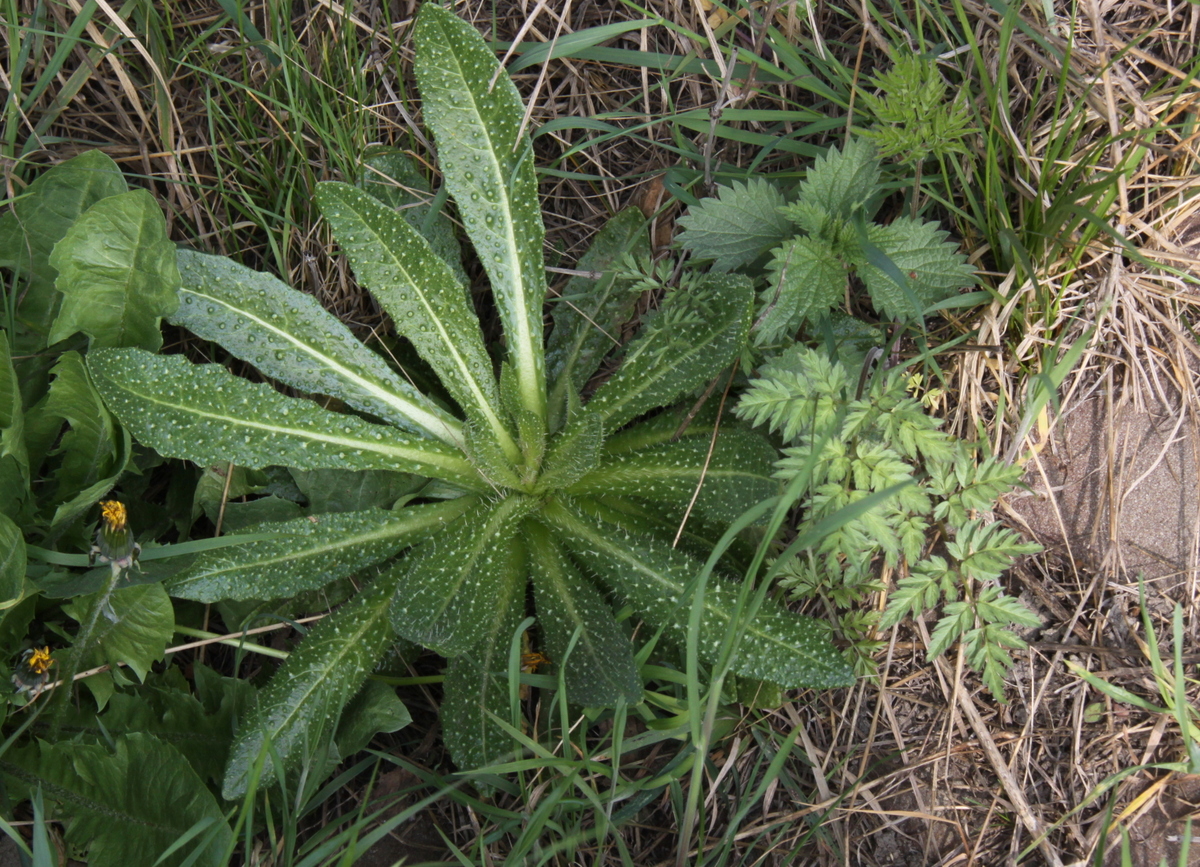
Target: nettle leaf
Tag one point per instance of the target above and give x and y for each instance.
(841, 183)
(450, 583)
(127, 805)
(44, 213)
(203, 413)
(930, 265)
(688, 341)
(298, 711)
(132, 627)
(288, 336)
(476, 114)
(805, 279)
(573, 452)
(600, 670)
(736, 227)
(736, 475)
(426, 303)
(309, 553)
(589, 313)
(393, 178)
(116, 271)
(778, 646)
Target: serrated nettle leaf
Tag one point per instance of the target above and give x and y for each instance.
(426, 303)
(392, 178)
(49, 207)
(736, 227)
(299, 709)
(573, 452)
(599, 670)
(930, 265)
(804, 279)
(203, 413)
(778, 646)
(475, 113)
(843, 183)
(288, 336)
(117, 273)
(450, 583)
(132, 627)
(309, 553)
(689, 340)
(588, 313)
(736, 474)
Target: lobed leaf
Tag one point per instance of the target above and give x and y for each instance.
(289, 337)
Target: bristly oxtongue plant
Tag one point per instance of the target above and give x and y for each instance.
(528, 482)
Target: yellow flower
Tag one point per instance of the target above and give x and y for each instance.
(113, 514)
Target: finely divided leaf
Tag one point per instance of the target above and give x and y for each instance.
(116, 271)
(309, 553)
(475, 113)
(289, 337)
(688, 340)
(804, 279)
(737, 226)
(202, 413)
(299, 709)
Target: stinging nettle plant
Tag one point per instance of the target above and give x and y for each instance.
(529, 483)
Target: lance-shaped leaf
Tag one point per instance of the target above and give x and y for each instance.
(451, 582)
(476, 685)
(688, 340)
(116, 271)
(589, 312)
(778, 646)
(299, 709)
(475, 113)
(736, 475)
(426, 303)
(288, 336)
(573, 452)
(309, 552)
(600, 669)
(203, 413)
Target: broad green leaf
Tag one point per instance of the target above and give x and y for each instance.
(12, 563)
(354, 490)
(10, 393)
(476, 114)
(12, 431)
(203, 413)
(126, 806)
(778, 646)
(736, 474)
(589, 313)
(311, 552)
(599, 670)
(299, 709)
(117, 273)
(49, 207)
(686, 342)
(450, 583)
(804, 279)
(921, 253)
(841, 183)
(376, 709)
(737, 226)
(476, 684)
(391, 177)
(573, 452)
(133, 628)
(288, 336)
(426, 303)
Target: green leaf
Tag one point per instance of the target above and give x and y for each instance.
(354, 490)
(573, 452)
(311, 552)
(804, 279)
(49, 207)
(932, 266)
(840, 183)
(589, 313)
(117, 273)
(127, 806)
(777, 645)
(688, 340)
(737, 226)
(476, 114)
(202, 413)
(12, 428)
(299, 709)
(426, 303)
(12, 563)
(957, 618)
(376, 709)
(599, 670)
(288, 336)
(451, 583)
(132, 629)
(736, 475)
